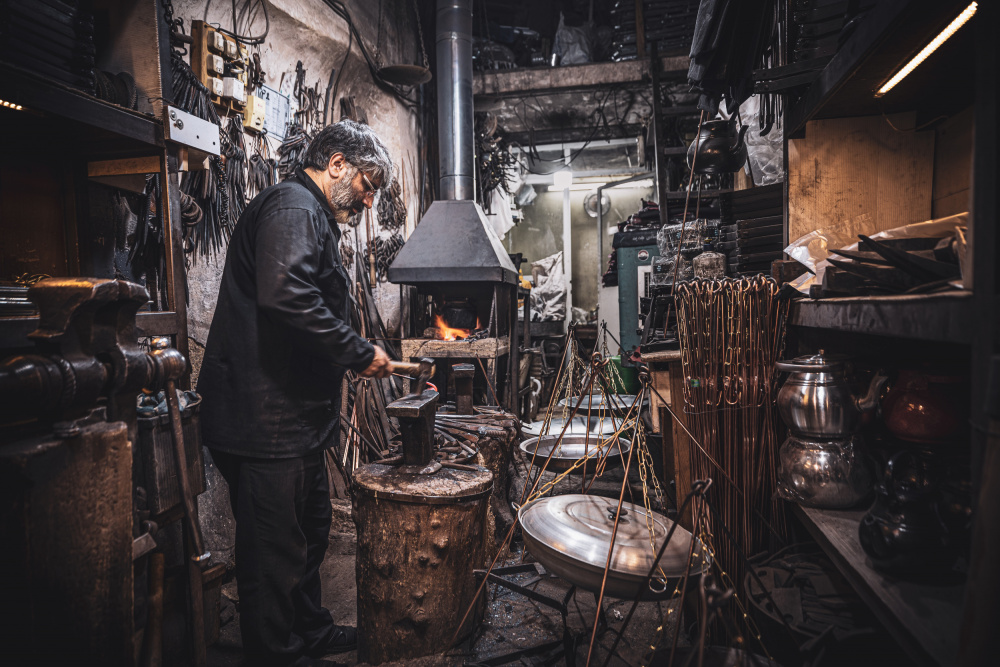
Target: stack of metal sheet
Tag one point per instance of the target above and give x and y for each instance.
(53, 38)
(752, 229)
(669, 23)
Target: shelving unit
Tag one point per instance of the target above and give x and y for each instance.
(925, 619)
(61, 139)
(946, 317)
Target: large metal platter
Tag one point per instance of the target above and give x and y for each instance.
(578, 426)
(570, 535)
(617, 403)
(572, 448)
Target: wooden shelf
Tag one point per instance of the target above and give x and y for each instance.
(14, 330)
(925, 619)
(90, 121)
(943, 317)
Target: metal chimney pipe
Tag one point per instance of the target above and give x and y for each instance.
(454, 91)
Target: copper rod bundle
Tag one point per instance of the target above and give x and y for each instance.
(731, 333)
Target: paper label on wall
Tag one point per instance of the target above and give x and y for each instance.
(278, 112)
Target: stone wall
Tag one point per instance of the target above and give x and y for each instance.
(310, 32)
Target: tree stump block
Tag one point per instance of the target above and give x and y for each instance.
(419, 539)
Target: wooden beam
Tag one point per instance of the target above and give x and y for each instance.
(126, 166)
(487, 348)
(520, 82)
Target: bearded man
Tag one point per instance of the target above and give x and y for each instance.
(280, 343)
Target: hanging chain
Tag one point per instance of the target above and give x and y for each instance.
(420, 34)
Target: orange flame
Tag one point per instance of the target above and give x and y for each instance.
(449, 333)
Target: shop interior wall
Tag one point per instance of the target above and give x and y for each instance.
(308, 31)
(860, 175)
(540, 234)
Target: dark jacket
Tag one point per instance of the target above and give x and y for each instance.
(281, 337)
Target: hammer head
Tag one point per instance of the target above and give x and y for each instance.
(423, 375)
(421, 371)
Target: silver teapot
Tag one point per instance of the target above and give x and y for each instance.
(831, 474)
(816, 400)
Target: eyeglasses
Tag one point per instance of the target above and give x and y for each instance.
(369, 188)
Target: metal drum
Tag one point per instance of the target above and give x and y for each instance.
(570, 535)
(572, 448)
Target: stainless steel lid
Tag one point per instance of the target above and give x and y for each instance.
(578, 426)
(579, 527)
(813, 363)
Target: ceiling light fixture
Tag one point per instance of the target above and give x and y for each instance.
(952, 28)
(11, 105)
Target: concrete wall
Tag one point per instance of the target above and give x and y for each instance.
(309, 31)
(540, 234)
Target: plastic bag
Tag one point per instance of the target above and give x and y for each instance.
(571, 44)
(765, 153)
(500, 216)
(813, 248)
(548, 297)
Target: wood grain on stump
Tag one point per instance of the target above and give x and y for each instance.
(419, 539)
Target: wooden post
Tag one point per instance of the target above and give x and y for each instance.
(681, 442)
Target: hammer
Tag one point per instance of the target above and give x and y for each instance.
(419, 373)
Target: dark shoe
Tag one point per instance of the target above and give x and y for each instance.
(344, 638)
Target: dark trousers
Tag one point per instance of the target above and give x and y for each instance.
(283, 515)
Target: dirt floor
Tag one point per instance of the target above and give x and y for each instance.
(512, 621)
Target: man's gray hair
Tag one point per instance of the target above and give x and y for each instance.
(359, 145)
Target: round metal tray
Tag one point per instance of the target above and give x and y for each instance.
(578, 426)
(570, 535)
(572, 448)
(616, 403)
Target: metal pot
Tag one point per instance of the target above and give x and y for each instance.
(571, 449)
(816, 400)
(831, 474)
(904, 532)
(570, 535)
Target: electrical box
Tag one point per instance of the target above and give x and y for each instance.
(255, 113)
(216, 65)
(215, 86)
(216, 42)
(221, 63)
(233, 89)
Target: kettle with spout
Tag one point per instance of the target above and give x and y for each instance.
(719, 148)
(816, 400)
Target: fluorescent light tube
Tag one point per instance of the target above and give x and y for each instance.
(952, 28)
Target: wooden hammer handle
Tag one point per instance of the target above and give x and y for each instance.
(406, 367)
